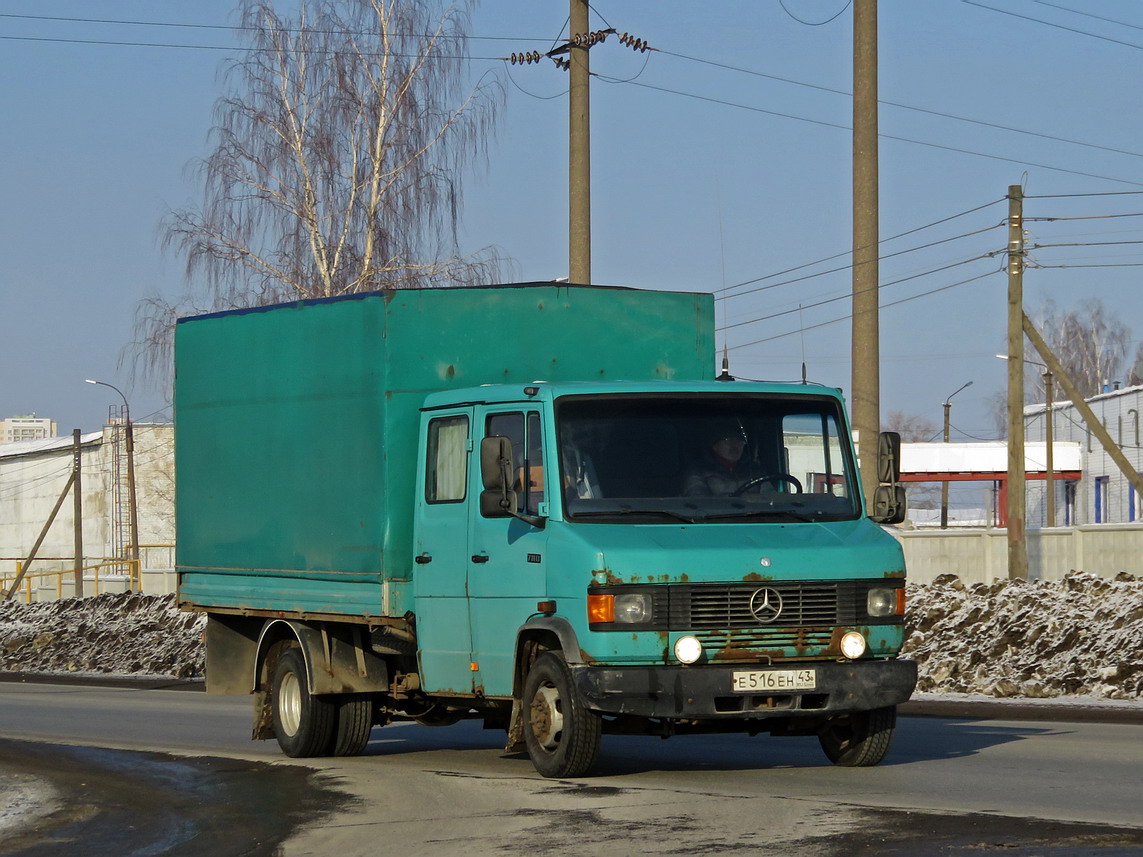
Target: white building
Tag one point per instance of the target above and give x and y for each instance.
(1103, 495)
(26, 427)
(34, 475)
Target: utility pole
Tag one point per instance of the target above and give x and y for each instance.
(945, 484)
(1017, 545)
(1049, 435)
(865, 345)
(77, 508)
(579, 146)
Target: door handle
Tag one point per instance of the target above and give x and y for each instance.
(480, 557)
(423, 559)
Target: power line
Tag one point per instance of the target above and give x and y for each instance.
(168, 45)
(850, 315)
(902, 106)
(847, 295)
(839, 126)
(881, 257)
(848, 252)
(1057, 26)
(829, 20)
(236, 27)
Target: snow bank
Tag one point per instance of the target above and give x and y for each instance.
(1081, 636)
(124, 634)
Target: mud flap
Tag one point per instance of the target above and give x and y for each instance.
(263, 717)
(515, 743)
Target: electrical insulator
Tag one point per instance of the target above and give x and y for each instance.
(525, 58)
(636, 44)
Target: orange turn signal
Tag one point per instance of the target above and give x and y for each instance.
(601, 608)
(900, 611)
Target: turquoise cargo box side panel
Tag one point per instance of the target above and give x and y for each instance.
(296, 424)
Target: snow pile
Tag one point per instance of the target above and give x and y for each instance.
(1080, 636)
(125, 634)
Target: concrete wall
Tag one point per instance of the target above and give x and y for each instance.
(981, 555)
(32, 477)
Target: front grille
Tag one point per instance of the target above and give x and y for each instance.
(721, 606)
(729, 645)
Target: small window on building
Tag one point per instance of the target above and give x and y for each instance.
(1102, 512)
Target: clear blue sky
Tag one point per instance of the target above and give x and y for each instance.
(721, 158)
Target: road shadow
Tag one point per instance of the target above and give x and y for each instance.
(130, 804)
(917, 740)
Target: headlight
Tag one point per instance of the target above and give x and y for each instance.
(633, 608)
(688, 649)
(880, 602)
(853, 645)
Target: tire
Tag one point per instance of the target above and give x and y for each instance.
(304, 725)
(860, 739)
(561, 733)
(354, 724)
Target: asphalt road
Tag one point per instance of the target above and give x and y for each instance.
(193, 783)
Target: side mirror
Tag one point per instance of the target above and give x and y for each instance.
(889, 457)
(889, 504)
(497, 500)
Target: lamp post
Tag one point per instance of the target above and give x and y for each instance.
(132, 509)
(945, 484)
(1049, 428)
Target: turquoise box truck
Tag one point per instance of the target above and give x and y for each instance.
(533, 505)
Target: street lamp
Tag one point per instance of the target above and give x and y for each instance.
(945, 484)
(1050, 474)
(132, 508)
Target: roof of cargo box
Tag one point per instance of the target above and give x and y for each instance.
(549, 391)
(389, 293)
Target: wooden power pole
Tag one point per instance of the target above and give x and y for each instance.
(1016, 500)
(579, 146)
(77, 507)
(865, 345)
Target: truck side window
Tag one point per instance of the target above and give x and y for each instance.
(527, 455)
(447, 460)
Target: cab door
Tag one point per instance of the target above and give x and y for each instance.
(507, 577)
(441, 550)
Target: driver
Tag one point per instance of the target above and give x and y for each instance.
(723, 470)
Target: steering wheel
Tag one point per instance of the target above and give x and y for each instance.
(770, 477)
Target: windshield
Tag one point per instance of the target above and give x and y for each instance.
(699, 458)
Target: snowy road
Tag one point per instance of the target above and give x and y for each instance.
(948, 784)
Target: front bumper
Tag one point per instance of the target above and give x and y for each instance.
(704, 692)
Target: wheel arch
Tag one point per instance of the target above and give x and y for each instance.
(338, 658)
(544, 633)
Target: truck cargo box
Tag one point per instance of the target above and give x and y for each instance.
(296, 423)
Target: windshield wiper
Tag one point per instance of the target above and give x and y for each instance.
(627, 510)
(787, 514)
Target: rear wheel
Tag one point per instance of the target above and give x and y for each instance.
(561, 733)
(304, 725)
(354, 724)
(860, 739)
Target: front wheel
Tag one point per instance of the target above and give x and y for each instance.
(561, 733)
(860, 739)
(304, 725)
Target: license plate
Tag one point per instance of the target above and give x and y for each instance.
(767, 680)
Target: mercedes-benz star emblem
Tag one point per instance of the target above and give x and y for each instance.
(766, 605)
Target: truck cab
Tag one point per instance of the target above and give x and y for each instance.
(672, 556)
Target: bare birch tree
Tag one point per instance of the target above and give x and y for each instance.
(1089, 341)
(338, 153)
